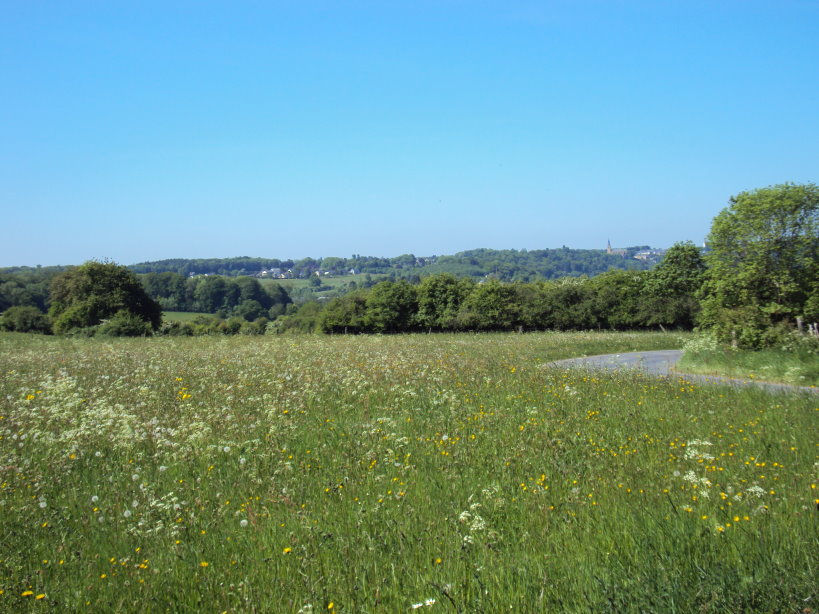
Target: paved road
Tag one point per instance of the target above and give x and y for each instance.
(662, 362)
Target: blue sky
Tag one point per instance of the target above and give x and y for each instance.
(146, 130)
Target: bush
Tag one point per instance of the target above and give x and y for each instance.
(25, 320)
(124, 324)
(176, 329)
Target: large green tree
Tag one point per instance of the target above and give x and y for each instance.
(439, 300)
(86, 296)
(391, 307)
(670, 296)
(345, 314)
(491, 305)
(763, 265)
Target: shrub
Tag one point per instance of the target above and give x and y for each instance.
(124, 324)
(25, 320)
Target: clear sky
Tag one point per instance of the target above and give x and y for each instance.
(145, 130)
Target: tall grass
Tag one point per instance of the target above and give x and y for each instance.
(386, 474)
(798, 366)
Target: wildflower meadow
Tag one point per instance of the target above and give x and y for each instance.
(451, 473)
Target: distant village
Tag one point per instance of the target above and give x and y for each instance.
(645, 255)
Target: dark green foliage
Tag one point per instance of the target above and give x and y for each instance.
(233, 325)
(763, 267)
(620, 299)
(24, 319)
(304, 319)
(26, 286)
(168, 289)
(391, 307)
(241, 296)
(97, 291)
(345, 314)
(256, 327)
(250, 310)
(673, 286)
(567, 304)
(439, 300)
(124, 324)
(490, 306)
(176, 329)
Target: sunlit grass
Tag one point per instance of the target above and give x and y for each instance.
(374, 474)
(799, 367)
(180, 316)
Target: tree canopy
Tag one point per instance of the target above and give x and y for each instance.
(763, 264)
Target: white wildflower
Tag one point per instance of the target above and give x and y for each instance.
(478, 524)
(243, 523)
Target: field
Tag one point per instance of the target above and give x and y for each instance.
(181, 316)
(388, 474)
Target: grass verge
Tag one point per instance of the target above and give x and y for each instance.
(798, 368)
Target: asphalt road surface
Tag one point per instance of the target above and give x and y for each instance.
(662, 363)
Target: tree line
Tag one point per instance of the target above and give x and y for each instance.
(756, 286)
(109, 299)
(244, 297)
(663, 297)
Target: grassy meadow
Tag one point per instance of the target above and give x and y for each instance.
(452, 473)
(181, 316)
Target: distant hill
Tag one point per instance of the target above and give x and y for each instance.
(507, 265)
